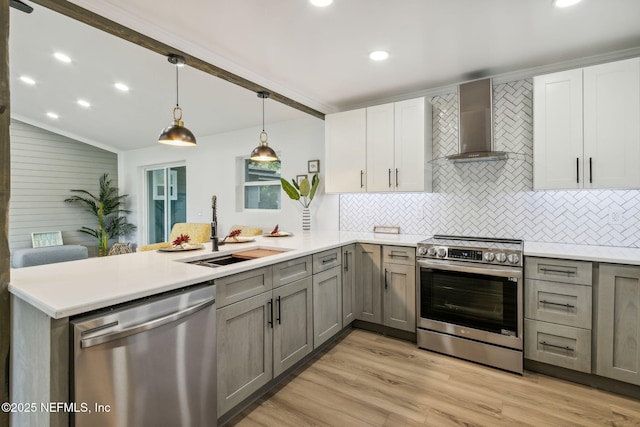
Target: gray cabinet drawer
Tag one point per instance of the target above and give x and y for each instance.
(558, 270)
(399, 254)
(558, 345)
(290, 271)
(561, 303)
(326, 260)
(239, 286)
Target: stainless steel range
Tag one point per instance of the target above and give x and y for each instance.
(470, 299)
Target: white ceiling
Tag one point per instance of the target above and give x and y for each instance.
(318, 57)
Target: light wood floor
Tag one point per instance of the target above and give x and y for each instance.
(370, 380)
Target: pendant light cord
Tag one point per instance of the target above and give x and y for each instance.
(177, 104)
(262, 114)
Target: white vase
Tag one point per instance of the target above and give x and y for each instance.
(306, 219)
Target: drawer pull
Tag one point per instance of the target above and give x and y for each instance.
(553, 270)
(327, 261)
(557, 346)
(557, 303)
(394, 254)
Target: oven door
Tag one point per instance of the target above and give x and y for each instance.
(474, 301)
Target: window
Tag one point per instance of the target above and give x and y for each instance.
(261, 185)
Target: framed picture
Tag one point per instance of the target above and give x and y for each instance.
(299, 178)
(314, 166)
(46, 238)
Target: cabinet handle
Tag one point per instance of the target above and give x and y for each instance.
(557, 346)
(553, 270)
(398, 255)
(361, 177)
(270, 304)
(327, 261)
(386, 284)
(389, 178)
(557, 303)
(396, 177)
(346, 260)
(590, 171)
(279, 312)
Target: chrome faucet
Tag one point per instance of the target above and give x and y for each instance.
(214, 225)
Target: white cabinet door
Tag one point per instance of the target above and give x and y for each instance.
(557, 131)
(412, 151)
(380, 134)
(612, 124)
(345, 152)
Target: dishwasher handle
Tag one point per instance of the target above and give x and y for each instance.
(151, 324)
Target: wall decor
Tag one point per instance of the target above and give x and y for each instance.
(314, 166)
(299, 178)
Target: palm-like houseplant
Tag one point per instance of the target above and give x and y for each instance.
(107, 208)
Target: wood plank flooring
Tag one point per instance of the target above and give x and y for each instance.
(370, 380)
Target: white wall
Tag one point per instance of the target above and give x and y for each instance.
(212, 169)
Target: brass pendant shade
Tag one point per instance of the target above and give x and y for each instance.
(177, 134)
(263, 153)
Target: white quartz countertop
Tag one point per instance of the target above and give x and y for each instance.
(70, 288)
(611, 254)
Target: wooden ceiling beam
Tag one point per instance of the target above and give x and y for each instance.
(93, 19)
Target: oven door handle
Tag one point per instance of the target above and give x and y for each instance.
(484, 269)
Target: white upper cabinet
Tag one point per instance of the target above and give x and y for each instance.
(380, 165)
(379, 149)
(557, 130)
(345, 151)
(612, 125)
(587, 127)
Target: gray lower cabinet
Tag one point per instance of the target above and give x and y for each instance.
(261, 336)
(245, 343)
(618, 323)
(558, 312)
(293, 324)
(399, 291)
(327, 305)
(348, 284)
(368, 283)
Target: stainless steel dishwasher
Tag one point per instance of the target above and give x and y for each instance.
(149, 363)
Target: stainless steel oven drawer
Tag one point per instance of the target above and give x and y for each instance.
(558, 270)
(561, 303)
(558, 345)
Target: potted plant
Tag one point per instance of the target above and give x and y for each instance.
(303, 193)
(107, 207)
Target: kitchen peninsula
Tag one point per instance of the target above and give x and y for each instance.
(46, 297)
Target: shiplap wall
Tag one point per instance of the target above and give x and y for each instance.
(44, 167)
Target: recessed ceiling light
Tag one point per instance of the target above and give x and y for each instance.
(28, 80)
(121, 87)
(565, 3)
(84, 103)
(321, 3)
(62, 57)
(379, 55)
(52, 115)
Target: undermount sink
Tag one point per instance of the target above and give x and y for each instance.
(219, 261)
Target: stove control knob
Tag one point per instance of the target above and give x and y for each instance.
(431, 251)
(422, 251)
(501, 257)
(513, 258)
(442, 252)
(489, 256)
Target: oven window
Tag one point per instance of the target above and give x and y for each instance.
(476, 301)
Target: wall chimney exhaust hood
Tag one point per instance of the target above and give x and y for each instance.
(475, 123)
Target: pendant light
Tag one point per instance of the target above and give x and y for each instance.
(177, 134)
(263, 153)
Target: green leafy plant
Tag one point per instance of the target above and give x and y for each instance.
(107, 208)
(303, 192)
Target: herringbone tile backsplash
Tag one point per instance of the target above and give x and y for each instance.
(495, 199)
